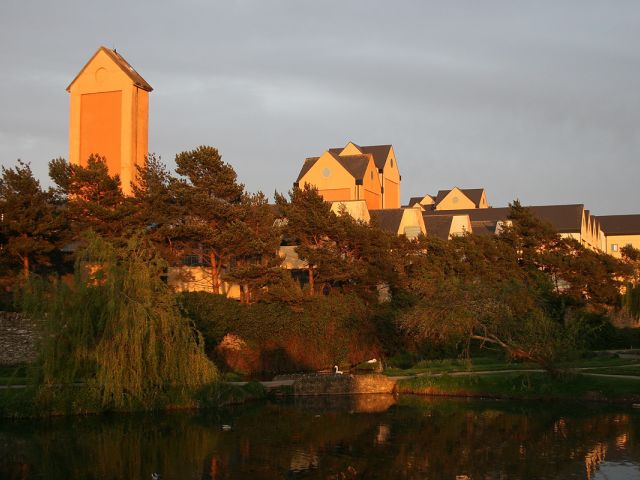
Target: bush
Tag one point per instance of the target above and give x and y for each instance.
(315, 334)
(593, 331)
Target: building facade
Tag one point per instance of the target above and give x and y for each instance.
(109, 115)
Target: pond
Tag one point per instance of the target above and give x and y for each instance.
(372, 437)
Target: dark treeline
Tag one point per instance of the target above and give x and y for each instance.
(359, 292)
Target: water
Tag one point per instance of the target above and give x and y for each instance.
(372, 437)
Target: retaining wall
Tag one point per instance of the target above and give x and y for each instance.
(18, 339)
(342, 384)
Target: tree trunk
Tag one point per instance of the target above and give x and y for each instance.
(25, 266)
(215, 273)
(311, 285)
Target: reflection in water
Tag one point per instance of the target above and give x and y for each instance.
(333, 438)
(594, 458)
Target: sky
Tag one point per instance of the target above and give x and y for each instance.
(535, 100)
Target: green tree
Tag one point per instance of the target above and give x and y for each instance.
(93, 199)
(117, 328)
(30, 223)
(312, 226)
(208, 197)
(631, 299)
(255, 237)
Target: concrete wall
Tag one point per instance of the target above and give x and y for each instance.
(621, 241)
(342, 384)
(356, 208)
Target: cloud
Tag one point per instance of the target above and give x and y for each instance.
(532, 100)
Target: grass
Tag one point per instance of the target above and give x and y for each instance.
(31, 402)
(493, 364)
(532, 386)
(620, 370)
(14, 374)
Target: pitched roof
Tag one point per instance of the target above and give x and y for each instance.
(438, 225)
(378, 152)
(119, 60)
(306, 166)
(564, 218)
(388, 219)
(414, 200)
(356, 165)
(620, 224)
(473, 194)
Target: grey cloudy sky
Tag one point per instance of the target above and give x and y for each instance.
(538, 100)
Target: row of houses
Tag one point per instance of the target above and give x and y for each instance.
(109, 103)
(456, 211)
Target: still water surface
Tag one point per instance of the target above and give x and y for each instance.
(371, 437)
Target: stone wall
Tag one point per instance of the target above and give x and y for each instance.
(18, 338)
(342, 384)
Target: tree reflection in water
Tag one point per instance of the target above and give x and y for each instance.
(333, 438)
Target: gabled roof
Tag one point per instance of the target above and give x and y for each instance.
(473, 194)
(620, 224)
(564, 218)
(388, 219)
(378, 152)
(438, 225)
(306, 166)
(137, 79)
(356, 165)
(414, 200)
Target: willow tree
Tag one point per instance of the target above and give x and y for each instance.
(117, 329)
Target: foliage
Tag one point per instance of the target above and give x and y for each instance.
(116, 328)
(340, 252)
(525, 386)
(92, 198)
(316, 334)
(30, 224)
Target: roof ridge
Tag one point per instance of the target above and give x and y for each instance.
(119, 60)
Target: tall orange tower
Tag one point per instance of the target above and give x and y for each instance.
(109, 115)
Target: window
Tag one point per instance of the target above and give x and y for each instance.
(371, 174)
(614, 247)
(392, 163)
(326, 172)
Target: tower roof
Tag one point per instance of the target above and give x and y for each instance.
(137, 79)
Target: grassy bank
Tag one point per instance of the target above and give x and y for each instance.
(34, 402)
(488, 364)
(526, 386)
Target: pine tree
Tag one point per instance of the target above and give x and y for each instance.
(30, 224)
(93, 199)
(207, 197)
